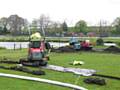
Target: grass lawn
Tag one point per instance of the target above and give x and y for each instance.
(57, 39)
(104, 63)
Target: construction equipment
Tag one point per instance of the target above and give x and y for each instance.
(84, 45)
(75, 45)
(37, 52)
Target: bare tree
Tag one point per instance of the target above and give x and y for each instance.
(56, 27)
(16, 23)
(34, 26)
(25, 27)
(103, 29)
(34, 23)
(43, 22)
(116, 25)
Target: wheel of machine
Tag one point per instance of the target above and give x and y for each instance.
(43, 63)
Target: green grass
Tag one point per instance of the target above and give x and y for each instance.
(56, 39)
(104, 63)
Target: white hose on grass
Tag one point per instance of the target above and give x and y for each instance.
(43, 81)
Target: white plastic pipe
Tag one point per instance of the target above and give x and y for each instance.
(43, 81)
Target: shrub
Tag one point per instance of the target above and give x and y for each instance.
(100, 41)
(118, 43)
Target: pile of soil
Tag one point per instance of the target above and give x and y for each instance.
(67, 49)
(70, 49)
(64, 49)
(112, 49)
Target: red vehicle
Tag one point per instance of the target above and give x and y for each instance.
(37, 52)
(86, 45)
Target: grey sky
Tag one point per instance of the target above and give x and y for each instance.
(71, 11)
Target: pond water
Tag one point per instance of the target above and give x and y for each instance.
(17, 45)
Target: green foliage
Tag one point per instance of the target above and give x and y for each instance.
(1, 30)
(65, 27)
(14, 39)
(100, 41)
(118, 43)
(5, 29)
(117, 25)
(81, 26)
(33, 30)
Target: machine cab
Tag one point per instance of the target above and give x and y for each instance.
(36, 50)
(35, 44)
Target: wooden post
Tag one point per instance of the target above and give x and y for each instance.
(14, 46)
(20, 46)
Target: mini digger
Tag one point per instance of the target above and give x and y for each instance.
(38, 51)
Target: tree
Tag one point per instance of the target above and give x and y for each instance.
(103, 32)
(5, 30)
(55, 28)
(16, 24)
(64, 26)
(25, 27)
(34, 26)
(43, 22)
(4, 23)
(1, 30)
(81, 26)
(116, 25)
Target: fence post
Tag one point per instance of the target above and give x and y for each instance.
(14, 46)
(20, 46)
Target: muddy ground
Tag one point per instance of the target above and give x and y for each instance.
(70, 49)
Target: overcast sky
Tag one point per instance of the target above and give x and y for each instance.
(92, 11)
